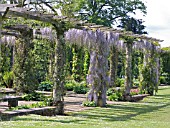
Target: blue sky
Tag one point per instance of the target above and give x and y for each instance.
(157, 20)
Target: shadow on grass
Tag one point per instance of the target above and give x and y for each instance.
(119, 112)
(46, 120)
(122, 112)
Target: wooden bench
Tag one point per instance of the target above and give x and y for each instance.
(12, 100)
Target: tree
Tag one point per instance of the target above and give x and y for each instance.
(107, 12)
(132, 24)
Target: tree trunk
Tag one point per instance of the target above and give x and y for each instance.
(97, 78)
(113, 65)
(58, 76)
(128, 70)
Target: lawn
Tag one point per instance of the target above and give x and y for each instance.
(152, 112)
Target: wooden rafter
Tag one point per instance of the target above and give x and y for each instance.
(6, 33)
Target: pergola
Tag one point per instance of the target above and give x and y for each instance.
(103, 38)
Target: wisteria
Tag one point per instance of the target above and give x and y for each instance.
(46, 33)
(91, 39)
(98, 42)
(9, 40)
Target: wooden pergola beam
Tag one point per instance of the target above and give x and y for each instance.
(17, 27)
(32, 16)
(6, 33)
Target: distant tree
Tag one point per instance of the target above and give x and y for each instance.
(132, 24)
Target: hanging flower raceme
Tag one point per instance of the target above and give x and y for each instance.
(91, 39)
(9, 40)
(139, 45)
(113, 38)
(144, 45)
(46, 33)
(121, 46)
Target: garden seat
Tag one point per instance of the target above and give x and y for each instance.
(138, 97)
(12, 100)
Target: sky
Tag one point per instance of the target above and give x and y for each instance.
(157, 20)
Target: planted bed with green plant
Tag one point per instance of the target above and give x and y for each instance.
(46, 102)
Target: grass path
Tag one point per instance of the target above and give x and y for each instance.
(152, 112)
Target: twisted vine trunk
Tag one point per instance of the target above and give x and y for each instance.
(128, 70)
(154, 70)
(58, 76)
(97, 77)
(113, 65)
(157, 71)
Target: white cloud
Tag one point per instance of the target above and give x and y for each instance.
(157, 20)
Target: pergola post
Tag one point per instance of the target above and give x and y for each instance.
(128, 70)
(58, 76)
(97, 78)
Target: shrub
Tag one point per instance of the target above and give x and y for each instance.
(89, 104)
(115, 94)
(45, 86)
(113, 97)
(34, 96)
(69, 86)
(8, 79)
(136, 82)
(163, 80)
(120, 82)
(80, 89)
(83, 83)
(110, 91)
(48, 101)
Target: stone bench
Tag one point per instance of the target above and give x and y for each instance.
(138, 97)
(12, 100)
